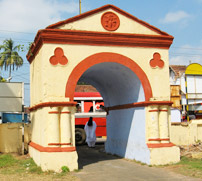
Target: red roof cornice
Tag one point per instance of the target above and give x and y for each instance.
(60, 36)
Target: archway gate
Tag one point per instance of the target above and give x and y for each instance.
(126, 59)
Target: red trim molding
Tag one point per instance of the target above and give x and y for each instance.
(60, 36)
(51, 149)
(159, 139)
(139, 104)
(102, 58)
(53, 104)
(53, 112)
(59, 144)
(160, 145)
(66, 112)
(163, 110)
(154, 110)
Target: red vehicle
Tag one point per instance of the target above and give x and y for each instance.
(89, 104)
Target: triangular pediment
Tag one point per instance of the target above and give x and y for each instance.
(108, 18)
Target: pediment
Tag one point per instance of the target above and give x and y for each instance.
(108, 18)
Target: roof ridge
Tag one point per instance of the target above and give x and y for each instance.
(88, 13)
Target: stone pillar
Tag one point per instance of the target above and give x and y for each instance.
(153, 124)
(163, 124)
(53, 126)
(65, 127)
(73, 110)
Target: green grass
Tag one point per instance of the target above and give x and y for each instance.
(188, 166)
(191, 163)
(11, 165)
(23, 167)
(6, 161)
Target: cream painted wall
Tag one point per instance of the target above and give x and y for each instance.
(36, 80)
(11, 137)
(47, 90)
(40, 124)
(93, 23)
(186, 134)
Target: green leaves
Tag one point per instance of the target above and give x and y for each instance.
(9, 56)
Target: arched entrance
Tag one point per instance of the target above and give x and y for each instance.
(126, 59)
(120, 81)
(104, 58)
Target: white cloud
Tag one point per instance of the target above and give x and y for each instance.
(185, 55)
(29, 15)
(173, 17)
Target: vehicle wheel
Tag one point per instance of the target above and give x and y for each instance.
(80, 136)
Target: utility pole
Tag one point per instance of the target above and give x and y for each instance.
(79, 6)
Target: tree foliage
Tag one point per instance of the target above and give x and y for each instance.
(9, 57)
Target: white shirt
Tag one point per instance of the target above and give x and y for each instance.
(90, 132)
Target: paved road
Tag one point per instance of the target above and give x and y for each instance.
(95, 165)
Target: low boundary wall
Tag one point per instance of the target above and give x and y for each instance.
(186, 133)
(11, 138)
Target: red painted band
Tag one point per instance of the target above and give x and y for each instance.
(61, 36)
(155, 110)
(159, 139)
(51, 149)
(54, 112)
(53, 104)
(159, 145)
(59, 143)
(154, 139)
(165, 139)
(66, 112)
(138, 104)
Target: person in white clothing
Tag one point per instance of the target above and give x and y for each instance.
(90, 128)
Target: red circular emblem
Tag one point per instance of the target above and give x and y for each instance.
(110, 21)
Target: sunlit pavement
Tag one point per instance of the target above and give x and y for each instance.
(96, 165)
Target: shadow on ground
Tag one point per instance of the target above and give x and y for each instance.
(87, 156)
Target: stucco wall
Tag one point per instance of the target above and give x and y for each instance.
(50, 81)
(186, 133)
(126, 134)
(39, 128)
(11, 137)
(92, 23)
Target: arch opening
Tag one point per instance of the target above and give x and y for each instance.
(103, 58)
(120, 81)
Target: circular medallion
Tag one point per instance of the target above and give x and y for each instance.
(110, 21)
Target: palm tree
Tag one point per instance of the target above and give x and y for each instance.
(9, 57)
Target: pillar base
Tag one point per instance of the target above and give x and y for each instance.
(54, 160)
(164, 155)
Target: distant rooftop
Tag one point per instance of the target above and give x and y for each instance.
(178, 69)
(85, 88)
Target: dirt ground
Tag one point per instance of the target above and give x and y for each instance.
(95, 161)
(192, 151)
(36, 178)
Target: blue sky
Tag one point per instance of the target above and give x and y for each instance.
(20, 20)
